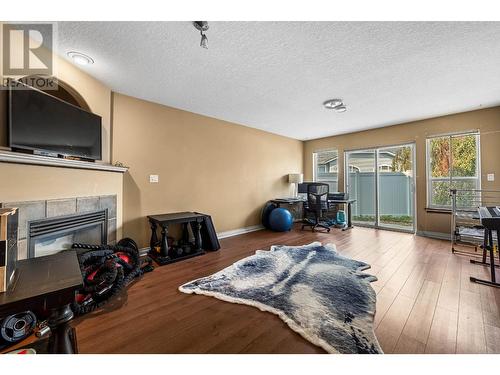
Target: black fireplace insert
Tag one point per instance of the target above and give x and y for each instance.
(52, 235)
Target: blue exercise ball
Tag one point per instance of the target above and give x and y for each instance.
(280, 220)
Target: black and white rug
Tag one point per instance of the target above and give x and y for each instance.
(320, 294)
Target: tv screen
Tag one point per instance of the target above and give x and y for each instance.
(41, 122)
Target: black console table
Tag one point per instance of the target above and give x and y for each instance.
(160, 250)
(47, 284)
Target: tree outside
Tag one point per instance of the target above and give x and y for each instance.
(402, 160)
(455, 156)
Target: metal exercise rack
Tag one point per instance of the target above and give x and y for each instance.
(466, 228)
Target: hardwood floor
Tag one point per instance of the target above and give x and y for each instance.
(425, 302)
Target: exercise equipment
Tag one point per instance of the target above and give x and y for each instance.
(106, 270)
(280, 220)
(209, 240)
(47, 286)
(266, 211)
(163, 253)
(17, 327)
(128, 242)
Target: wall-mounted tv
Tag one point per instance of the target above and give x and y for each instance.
(43, 123)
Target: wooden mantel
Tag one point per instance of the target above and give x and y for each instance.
(20, 158)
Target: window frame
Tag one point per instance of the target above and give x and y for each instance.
(315, 162)
(450, 178)
(336, 167)
(382, 166)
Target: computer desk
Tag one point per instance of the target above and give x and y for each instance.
(298, 212)
(347, 202)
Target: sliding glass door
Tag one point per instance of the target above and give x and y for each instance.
(361, 185)
(382, 182)
(396, 178)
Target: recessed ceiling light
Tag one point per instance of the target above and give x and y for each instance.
(340, 108)
(335, 104)
(80, 58)
(332, 103)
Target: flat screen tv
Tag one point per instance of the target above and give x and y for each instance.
(45, 124)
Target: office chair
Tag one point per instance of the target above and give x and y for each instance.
(317, 203)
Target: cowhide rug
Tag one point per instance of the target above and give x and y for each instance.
(320, 294)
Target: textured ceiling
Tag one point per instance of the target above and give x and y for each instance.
(275, 75)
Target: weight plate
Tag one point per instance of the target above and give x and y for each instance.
(18, 326)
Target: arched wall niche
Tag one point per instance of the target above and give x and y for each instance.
(64, 91)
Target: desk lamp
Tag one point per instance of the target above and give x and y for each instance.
(296, 179)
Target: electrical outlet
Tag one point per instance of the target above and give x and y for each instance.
(491, 177)
(153, 178)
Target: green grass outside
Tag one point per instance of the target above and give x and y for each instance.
(387, 219)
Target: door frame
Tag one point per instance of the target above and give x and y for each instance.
(376, 149)
(375, 184)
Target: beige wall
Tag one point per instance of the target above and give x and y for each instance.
(31, 182)
(204, 164)
(486, 120)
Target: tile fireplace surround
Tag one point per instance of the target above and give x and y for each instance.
(35, 210)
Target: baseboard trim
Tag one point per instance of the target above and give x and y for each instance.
(391, 229)
(143, 251)
(236, 232)
(436, 235)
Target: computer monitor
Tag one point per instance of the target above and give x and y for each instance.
(303, 188)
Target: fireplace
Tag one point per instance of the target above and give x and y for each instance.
(54, 223)
(49, 236)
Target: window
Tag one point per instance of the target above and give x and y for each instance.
(452, 163)
(325, 168)
(385, 168)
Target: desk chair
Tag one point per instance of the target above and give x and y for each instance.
(317, 203)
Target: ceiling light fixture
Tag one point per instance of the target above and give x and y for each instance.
(341, 108)
(202, 26)
(336, 104)
(80, 58)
